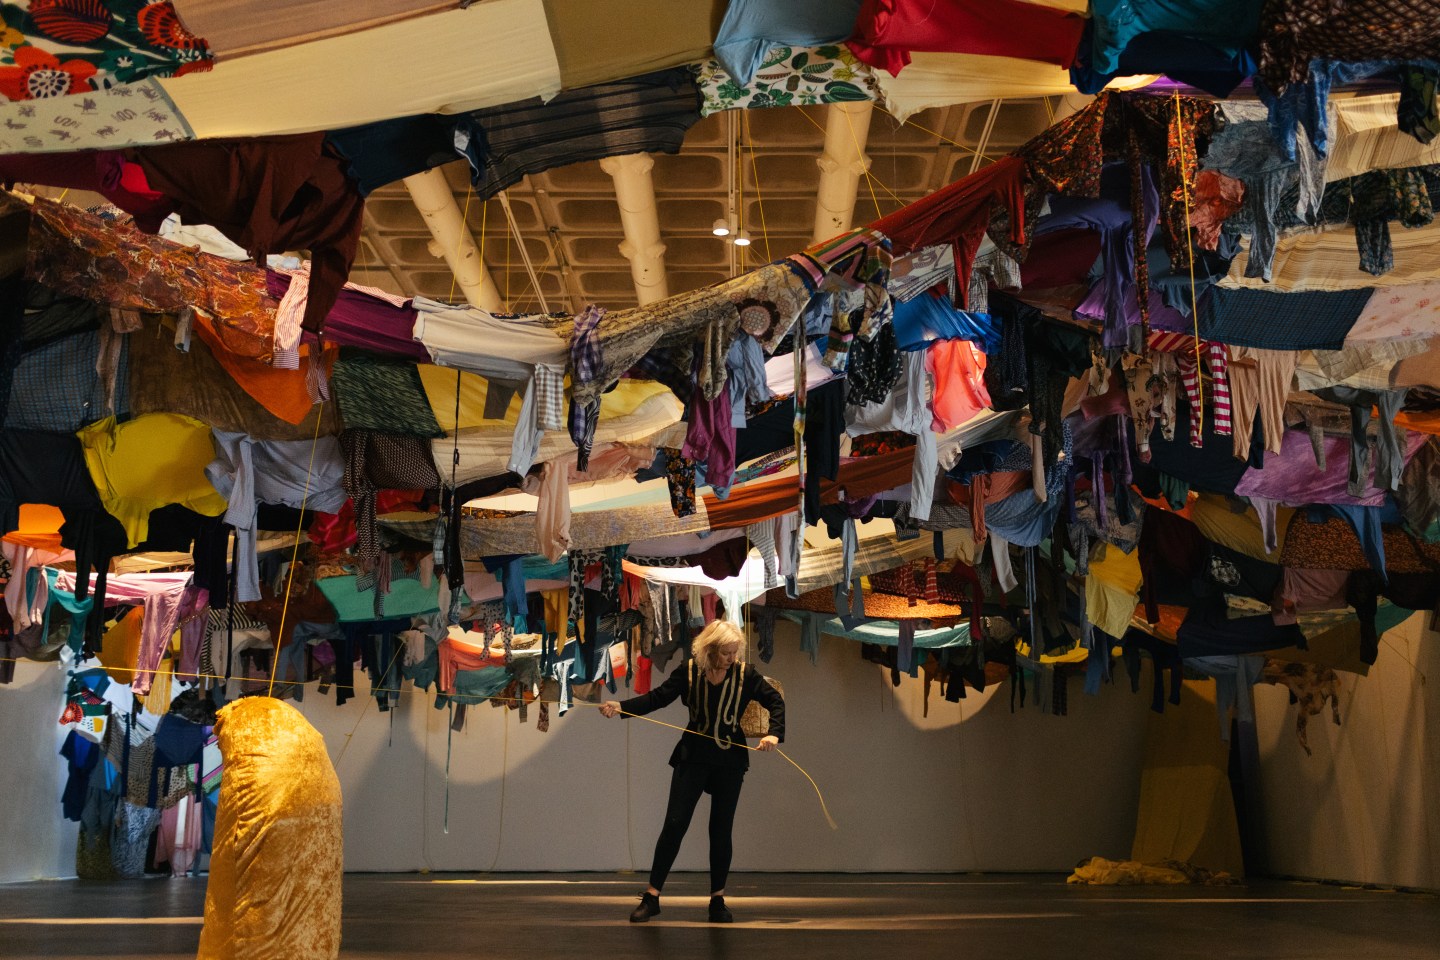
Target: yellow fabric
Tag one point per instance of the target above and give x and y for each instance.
(941, 79)
(120, 648)
(636, 411)
(1238, 531)
(486, 54)
(147, 463)
(275, 874)
(1112, 589)
(1186, 809)
(158, 700)
(1329, 261)
(557, 613)
(439, 385)
(601, 42)
(1364, 137)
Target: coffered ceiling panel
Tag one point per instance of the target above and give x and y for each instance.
(569, 222)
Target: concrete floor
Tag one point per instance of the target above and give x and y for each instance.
(838, 917)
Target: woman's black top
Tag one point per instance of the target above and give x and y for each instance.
(713, 734)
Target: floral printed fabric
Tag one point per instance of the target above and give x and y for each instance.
(790, 76)
(57, 48)
(130, 114)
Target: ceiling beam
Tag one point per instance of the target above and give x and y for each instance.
(639, 218)
(452, 240)
(371, 232)
(847, 126)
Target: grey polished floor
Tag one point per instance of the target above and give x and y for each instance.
(837, 917)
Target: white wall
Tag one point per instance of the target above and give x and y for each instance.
(35, 842)
(1365, 807)
(972, 787)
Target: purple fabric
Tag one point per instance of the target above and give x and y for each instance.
(1291, 476)
(710, 439)
(360, 320)
(1113, 300)
(1165, 317)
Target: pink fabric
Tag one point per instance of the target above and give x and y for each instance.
(552, 488)
(1291, 476)
(26, 608)
(161, 594)
(193, 606)
(1303, 589)
(178, 842)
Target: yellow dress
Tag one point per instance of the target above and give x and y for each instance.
(149, 462)
(276, 866)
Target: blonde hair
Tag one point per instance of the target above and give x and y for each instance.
(709, 641)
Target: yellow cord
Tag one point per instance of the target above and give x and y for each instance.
(1190, 243)
(823, 808)
(874, 180)
(295, 553)
(365, 708)
(465, 219)
(869, 179)
(759, 200)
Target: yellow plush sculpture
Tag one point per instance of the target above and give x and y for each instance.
(275, 873)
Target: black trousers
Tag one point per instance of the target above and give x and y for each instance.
(688, 782)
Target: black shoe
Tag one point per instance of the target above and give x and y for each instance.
(649, 906)
(719, 913)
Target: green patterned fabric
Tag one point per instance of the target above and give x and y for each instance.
(790, 77)
(382, 393)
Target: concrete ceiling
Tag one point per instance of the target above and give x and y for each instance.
(569, 222)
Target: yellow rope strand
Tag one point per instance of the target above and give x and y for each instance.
(1190, 242)
(294, 553)
(968, 151)
(824, 808)
(869, 178)
(365, 709)
(464, 221)
(755, 171)
(875, 180)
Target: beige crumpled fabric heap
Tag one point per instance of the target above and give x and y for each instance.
(1101, 872)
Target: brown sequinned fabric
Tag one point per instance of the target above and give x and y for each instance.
(1332, 545)
(1294, 32)
(78, 253)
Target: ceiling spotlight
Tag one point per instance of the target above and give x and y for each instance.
(742, 239)
(720, 228)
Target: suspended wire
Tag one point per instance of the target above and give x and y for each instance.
(759, 200)
(504, 776)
